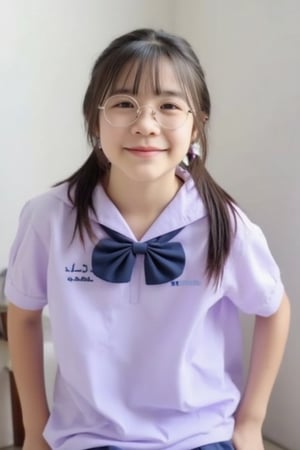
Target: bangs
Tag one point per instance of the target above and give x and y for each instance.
(144, 62)
(146, 58)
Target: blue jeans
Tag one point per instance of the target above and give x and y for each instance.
(217, 446)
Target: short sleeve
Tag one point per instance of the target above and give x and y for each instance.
(253, 276)
(26, 281)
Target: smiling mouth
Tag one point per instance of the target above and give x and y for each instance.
(145, 150)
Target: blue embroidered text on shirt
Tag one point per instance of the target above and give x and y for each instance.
(185, 283)
(83, 269)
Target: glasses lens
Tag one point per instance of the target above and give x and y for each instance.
(123, 110)
(120, 110)
(171, 115)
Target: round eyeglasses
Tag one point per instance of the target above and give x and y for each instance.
(123, 110)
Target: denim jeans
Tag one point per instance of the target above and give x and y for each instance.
(217, 446)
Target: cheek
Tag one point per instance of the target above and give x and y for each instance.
(108, 132)
(184, 137)
(112, 139)
(105, 135)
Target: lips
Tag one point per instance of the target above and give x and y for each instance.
(144, 149)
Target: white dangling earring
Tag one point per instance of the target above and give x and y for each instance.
(196, 148)
(193, 151)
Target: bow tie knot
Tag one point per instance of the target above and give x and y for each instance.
(139, 248)
(113, 258)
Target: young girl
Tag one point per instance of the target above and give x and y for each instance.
(145, 263)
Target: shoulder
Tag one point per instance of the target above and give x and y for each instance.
(46, 206)
(244, 225)
(246, 232)
(55, 196)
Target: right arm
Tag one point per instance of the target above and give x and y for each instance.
(25, 338)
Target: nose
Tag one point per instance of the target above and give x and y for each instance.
(146, 122)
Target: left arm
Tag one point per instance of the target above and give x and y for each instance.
(269, 340)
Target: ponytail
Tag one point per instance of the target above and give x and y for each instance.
(220, 208)
(84, 182)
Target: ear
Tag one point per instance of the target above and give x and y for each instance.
(195, 132)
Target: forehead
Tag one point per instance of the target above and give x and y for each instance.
(149, 78)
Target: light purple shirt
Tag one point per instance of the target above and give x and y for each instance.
(142, 367)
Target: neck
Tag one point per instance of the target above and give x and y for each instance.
(140, 203)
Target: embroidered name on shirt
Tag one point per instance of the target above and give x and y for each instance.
(82, 269)
(185, 283)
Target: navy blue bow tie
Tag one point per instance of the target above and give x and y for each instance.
(113, 259)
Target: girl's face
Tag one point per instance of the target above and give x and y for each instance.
(145, 151)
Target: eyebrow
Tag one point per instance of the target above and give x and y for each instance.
(166, 93)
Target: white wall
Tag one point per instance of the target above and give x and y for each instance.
(251, 54)
(250, 50)
(47, 49)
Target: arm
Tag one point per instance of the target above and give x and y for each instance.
(269, 340)
(26, 348)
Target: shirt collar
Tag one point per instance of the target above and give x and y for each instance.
(186, 207)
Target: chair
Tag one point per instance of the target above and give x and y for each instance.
(11, 425)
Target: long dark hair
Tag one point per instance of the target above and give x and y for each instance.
(139, 49)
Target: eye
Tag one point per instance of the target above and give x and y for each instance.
(124, 104)
(170, 107)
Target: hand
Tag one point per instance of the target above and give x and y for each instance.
(35, 443)
(248, 436)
